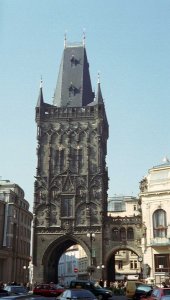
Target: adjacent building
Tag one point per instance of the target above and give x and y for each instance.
(127, 263)
(15, 233)
(155, 204)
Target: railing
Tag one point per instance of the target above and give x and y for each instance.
(126, 220)
(160, 241)
(68, 112)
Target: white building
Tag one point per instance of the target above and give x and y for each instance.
(72, 264)
(123, 206)
(155, 204)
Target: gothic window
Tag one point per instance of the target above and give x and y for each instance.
(159, 223)
(130, 233)
(115, 234)
(67, 207)
(123, 233)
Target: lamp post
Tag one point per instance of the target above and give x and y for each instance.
(26, 275)
(101, 267)
(91, 235)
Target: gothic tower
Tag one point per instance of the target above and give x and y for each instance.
(70, 200)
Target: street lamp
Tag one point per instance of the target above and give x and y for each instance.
(101, 267)
(91, 236)
(26, 272)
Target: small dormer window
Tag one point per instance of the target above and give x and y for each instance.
(73, 90)
(74, 61)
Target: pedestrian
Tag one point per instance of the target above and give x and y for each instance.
(101, 282)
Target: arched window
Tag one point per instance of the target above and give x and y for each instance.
(130, 233)
(115, 234)
(122, 233)
(159, 223)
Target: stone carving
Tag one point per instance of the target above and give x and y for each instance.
(41, 195)
(41, 215)
(144, 185)
(67, 226)
(80, 215)
(53, 215)
(81, 192)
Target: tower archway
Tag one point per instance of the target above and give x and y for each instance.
(53, 253)
(117, 262)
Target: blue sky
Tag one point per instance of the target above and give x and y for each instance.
(127, 41)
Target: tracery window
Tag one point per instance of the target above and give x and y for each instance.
(67, 207)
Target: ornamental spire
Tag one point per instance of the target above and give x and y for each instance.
(65, 40)
(99, 97)
(84, 38)
(40, 97)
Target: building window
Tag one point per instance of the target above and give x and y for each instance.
(120, 264)
(162, 263)
(130, 233)
(67, 207)
(115, 233)
(133, 264)
(159, 223)
(123, 233)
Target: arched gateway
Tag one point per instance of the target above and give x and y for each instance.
(70, 202)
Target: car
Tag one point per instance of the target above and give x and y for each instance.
(77, 293)
(158, 293)
(48, 290)
(94, 287)
(16, 290)
(3, 292)
(143, 290)
(134, 287)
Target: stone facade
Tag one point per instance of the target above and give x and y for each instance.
(70, 202)
(71, 181)
(15, 233)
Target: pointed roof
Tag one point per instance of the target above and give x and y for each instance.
(40, 97)
(99, 97)
(73, 87)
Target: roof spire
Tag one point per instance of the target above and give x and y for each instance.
(65, 40)
(40, 97)
(99, 97)
(98, 78)
(41, 83)
(84, 38)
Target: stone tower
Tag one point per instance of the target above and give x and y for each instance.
(70, 200)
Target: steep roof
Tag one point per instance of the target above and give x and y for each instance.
(74, 84)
